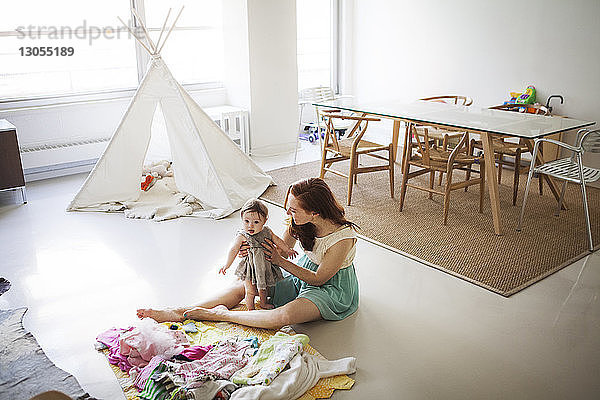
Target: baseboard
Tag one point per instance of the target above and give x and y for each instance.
(54, 171)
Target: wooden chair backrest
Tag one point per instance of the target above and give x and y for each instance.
(459, 100)
(424, 145)
(359, 128)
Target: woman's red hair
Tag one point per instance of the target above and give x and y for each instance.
(314, 195)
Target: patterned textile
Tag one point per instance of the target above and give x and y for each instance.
(158, 385)
(144, 374)
(272, 357)
(220, 362)
(211, 330)
(205, 334)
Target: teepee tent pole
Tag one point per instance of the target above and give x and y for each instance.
(172, 26)
(143, 25)
(162, 30)
(135, 37)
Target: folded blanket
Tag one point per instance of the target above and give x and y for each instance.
(161, 202)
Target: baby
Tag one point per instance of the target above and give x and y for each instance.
(254, 269)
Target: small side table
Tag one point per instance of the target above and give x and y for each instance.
(11, 169)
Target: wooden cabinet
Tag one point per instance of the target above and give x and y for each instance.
(11, 169)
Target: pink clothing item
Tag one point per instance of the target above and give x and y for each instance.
(144, 374)
(150, 339)
(111, 338)
(193, 353)
(220, 362)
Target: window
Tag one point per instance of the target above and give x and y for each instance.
(316, 43)
(104, 54)
(194, 52)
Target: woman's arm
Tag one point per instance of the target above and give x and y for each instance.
(330, 265)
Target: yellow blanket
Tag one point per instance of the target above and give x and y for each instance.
(211, 332)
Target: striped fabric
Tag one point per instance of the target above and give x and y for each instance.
(566, 169)
(158, 386)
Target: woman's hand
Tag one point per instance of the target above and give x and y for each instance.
(290, 253)
(243, 249)
(272, 252)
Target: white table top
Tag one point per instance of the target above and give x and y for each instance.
(529, 126)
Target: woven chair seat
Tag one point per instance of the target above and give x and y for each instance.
(440, 155)
(437, 134)
(345, 146)
(503, 147)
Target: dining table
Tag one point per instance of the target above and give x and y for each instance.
(483, 121)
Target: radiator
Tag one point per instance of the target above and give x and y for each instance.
(70, 156)
(40, 158)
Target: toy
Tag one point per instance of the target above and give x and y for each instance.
(528, 97)
(148, 182)
(310, 133)
(158, 169)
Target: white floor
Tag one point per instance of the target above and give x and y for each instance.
(418, 334)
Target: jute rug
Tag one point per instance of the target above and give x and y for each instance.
(467, 247)
(25, 370)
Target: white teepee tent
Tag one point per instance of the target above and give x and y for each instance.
(206, 162)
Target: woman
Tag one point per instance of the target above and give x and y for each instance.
(322, 286)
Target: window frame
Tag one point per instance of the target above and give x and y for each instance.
(335, 79)
(336, 16)
(142, 59)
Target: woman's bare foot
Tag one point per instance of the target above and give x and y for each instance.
(206, 314)
(160, 315)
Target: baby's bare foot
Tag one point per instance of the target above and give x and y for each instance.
(160, 315)
(267, 306)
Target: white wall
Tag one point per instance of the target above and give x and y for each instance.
(484, 49)
(261, 71)
(237, 60)
(273, 76)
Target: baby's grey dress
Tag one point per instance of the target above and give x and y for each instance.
(255, 267)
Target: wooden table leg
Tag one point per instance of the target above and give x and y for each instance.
(492, 183)
(395, 135)
(405, 149)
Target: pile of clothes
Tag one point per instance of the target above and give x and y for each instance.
(192, 360)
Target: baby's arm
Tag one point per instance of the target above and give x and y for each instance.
(233, 251)
(287, 251)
